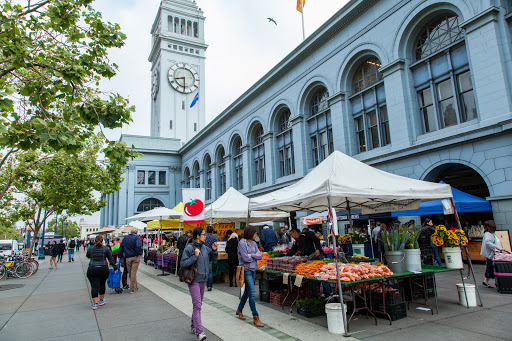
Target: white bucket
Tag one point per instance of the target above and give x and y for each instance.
(335, 318)
(412, 260)
(470, 291)
(453, 257)
(358, 249)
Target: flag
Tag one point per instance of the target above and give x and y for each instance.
(300, 5)
(193, 208)
(194, 101)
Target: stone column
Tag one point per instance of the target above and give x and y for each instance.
(215, 173)
(228, 162)
(269, 158)
(246, 159)
(299, 145)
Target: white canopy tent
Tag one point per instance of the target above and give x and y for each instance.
(342, 182)
(232, 207)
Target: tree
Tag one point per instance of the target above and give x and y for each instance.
(53, 53)
(65, 184)
(66, 227)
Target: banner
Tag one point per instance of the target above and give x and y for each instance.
(311, 221)
(193, 205)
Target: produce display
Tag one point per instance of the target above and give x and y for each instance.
(263, 262)
(309, 269)
(352, 272)
(285, 264)
(476, 232)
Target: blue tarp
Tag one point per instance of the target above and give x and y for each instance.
(464, 202)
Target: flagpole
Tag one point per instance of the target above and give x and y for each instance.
(302, 12)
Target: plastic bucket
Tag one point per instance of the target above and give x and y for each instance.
(358, 249)
(335, 318)
(412, 260)
(395, 261)
(453, 257)
(470, 291)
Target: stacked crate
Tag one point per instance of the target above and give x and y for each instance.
(395, 305)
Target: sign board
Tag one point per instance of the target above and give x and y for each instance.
(504, 238)
(221, 246)
(345, 217)
(311, 221)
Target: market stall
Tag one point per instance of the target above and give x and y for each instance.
(341, 182)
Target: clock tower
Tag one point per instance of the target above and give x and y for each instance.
(177, 70)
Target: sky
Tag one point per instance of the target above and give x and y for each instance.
(243, 47)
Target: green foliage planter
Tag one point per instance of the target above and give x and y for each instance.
(311, 307)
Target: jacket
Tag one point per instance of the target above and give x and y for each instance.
(489, 244)
(203, 260)
(307, 243)
(232, 251)
(268, 239)
(182, 242)
(244, 250)
(99, 256)
(131, 246)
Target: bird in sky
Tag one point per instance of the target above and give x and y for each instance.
(272, 20)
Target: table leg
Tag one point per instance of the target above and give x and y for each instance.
(287, 293)
(435, 292)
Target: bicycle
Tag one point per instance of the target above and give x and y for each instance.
(14, 267)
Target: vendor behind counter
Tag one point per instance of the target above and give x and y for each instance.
(305, 242)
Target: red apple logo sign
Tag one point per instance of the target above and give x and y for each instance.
(194, 207)
(193, 210)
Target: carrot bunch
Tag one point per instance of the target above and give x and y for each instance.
(263, 261)
(309, 269)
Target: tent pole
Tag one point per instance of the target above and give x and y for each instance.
(160, 247)
(349, 213)
(340, 290)
(371, 237)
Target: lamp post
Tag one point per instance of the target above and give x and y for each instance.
(41, 247)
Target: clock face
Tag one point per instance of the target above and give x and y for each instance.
(184, 78)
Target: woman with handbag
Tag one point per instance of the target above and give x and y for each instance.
(490, 243)
(248, 254)
(196, 258)
(97, 272)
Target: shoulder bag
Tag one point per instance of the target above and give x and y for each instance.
(240, 271)
(188, 274)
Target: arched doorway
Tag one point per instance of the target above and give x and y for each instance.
(462, 177)
(149, 204)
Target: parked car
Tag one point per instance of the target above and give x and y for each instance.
(9, 247)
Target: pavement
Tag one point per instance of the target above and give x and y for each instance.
(56, 305)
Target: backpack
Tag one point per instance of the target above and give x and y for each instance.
(72, 244)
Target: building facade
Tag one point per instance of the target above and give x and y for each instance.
(419, 88)
(87, 229)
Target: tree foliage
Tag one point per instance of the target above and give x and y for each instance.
(65, 227)
(53, 53)
(64, 183)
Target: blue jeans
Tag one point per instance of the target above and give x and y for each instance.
(209, 284)
(249, 292)
(436, 253)
(71, 254)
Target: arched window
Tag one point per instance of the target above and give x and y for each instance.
(183, 27)
(369, 106)
(320, 127)
(441, 74)
(238, 164)
(222, 171)
(176, 25)
(258, 152)
(149, 204)
(197, 177)
(170, 24)
(284, 140)
(187, 178)
(207, 166)
(196, 30)
(189, 28)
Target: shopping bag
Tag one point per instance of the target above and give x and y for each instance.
(240, 276)
(502, 256)
(115, 247)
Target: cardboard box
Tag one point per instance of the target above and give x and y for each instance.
(222, 256)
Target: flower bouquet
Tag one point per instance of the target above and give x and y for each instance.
(451, 241)
(357, 237)
(345, 239)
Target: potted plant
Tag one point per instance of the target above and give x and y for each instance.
(412, 249)
(394, 241)
(357, 237)
(451, 241)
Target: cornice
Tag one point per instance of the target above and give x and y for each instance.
(481, 19)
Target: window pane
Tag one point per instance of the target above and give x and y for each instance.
(425, 97)
(360, 134)
(444, 90)
(438, 34)
(373, 129)
(151, 177)
(314, 149)
(386, 137)
(465, 82)
(449, 115)
(161, 178)
(469, 106)
(140, 177)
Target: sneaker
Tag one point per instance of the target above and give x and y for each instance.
(201, 337)
(126, 287)
(94, 306)
(193, 331)
(102, 302)
(134, 291)
(209, 289)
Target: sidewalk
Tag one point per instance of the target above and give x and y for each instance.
(56, 305)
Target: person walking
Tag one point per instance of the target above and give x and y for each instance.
(201, 255)
(490, 243)
(209, 241)
(55, 253)
(62, 248)
(78, 243)
(248, 255)
(131, 250)
(71, 250)
(232, 251)
(268, 238)
(428, 228)
(97, 272)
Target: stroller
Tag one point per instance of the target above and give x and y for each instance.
(114, 280)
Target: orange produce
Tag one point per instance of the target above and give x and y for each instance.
(263, 262)
(309, 269)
